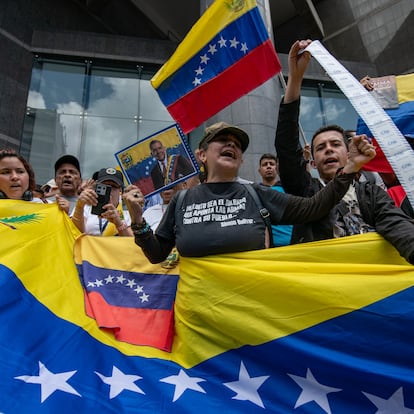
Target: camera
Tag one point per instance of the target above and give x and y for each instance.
(104, 193)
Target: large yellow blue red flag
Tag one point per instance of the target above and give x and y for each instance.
(226, 54)
(317, 328)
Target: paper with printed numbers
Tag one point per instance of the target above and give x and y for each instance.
(395, 147)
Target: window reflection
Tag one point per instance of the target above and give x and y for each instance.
(88, 110)
(310, 112)
(149, 108)
(102, 137)
(339, 110)
(113, 93)
(57, 86)
(324, 104)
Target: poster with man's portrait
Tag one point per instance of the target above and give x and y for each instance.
(158, 161)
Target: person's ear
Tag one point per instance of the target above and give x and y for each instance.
(312, 163)
(202, 155)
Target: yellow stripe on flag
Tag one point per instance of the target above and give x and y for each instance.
(405, 88)
(116, 253)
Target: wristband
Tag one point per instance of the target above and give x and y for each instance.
(140, 228)
(123, 226)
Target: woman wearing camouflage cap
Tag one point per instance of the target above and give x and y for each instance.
(219, 215)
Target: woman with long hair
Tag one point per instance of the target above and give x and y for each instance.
(17, 179)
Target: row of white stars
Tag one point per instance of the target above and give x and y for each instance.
(246, 388)
(212, 50)
(147, 167)
(121, 279)
(312, 390)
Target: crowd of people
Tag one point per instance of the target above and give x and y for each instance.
(220, 213)
(74, 196)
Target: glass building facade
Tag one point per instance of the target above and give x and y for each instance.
(88, 109)
(322, 103)
(94, 109)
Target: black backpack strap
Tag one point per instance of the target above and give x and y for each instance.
(180, 199)
(263, 211)
(406, 207)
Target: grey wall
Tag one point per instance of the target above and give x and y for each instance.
(376, 31)
(64, 27)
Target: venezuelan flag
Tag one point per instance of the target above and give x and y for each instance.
(322, 327)
(136, 305)
(403, 117)
(226, 54)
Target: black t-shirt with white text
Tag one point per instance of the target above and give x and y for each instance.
(217, 218)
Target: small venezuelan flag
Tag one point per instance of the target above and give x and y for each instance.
(226, 54)
(134, 300)
(403, 117)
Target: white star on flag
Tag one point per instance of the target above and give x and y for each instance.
(312, 390)
(144, 298)
(394, 404)
(183, 382)
(50, 382)
(119, 382)
(204, 59)
(234, 42)
(131, 283)
(244, 48)
(139, 289)
(109, 279)
(222, 42)
(212, 49)
(246, 387)
(120, 279)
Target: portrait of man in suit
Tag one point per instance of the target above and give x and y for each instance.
(168, 168)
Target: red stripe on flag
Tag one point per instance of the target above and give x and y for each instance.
(380, 162)
(397, 193)
(201, 103)
(150, 327)
(145, 185)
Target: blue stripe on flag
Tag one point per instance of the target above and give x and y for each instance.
(130, 289)
(403, 117)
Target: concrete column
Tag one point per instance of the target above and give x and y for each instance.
(255, 112)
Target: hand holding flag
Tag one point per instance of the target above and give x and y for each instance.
(330, 320)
